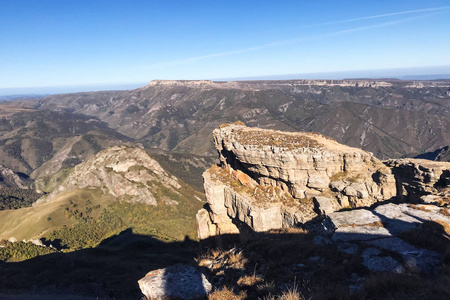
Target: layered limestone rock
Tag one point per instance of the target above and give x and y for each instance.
(270, 179)
(126, 173)
(305, 164)
(232, 205)
(420, 179)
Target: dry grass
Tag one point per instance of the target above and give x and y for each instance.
(445, 226)
(445, 212)
(280, 139)
(249, 280)
(419, 207)
(237, 260)
(289, 294)
(216, 259)
(346, 176)
(264, 194)
(373, 224)
(226, 293)
(232, 123)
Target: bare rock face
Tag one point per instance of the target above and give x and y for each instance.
(418, 178)
(126, 173)
(382, 229)
(175, 282)
(271, 179)
(8, 178)
(268, 179)
(305, 164)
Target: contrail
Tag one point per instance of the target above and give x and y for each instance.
(282, 42)
(373, 17)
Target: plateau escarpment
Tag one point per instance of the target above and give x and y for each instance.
(270, 180)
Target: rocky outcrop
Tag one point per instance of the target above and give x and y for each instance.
(305, 164)
(418, 178)
(8, 178)
(269, 179)
(379, 234)
(259, 208)
(125, 173)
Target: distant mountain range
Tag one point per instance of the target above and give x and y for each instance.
(412, 73)
(22, 97)
(389, 118)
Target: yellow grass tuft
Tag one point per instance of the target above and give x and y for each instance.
(226, 293)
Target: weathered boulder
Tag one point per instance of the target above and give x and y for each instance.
(175, 282)
(326, 205)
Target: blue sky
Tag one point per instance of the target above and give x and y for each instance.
(62, 43)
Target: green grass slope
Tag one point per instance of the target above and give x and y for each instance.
(82, 218)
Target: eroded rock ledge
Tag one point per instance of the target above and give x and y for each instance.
(270, 180)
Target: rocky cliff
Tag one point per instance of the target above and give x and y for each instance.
(421, 180)
(269, 179)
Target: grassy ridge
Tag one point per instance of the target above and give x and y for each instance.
(83, 218)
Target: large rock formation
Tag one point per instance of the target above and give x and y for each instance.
(269, 179)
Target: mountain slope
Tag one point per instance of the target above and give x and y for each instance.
(390, 119)
(41, 143)
(119, 188)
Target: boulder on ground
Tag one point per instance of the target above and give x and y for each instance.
(326, 205)
(175, 282)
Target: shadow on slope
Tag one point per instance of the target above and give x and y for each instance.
(109, 271)
(283, 261)
(265, 264)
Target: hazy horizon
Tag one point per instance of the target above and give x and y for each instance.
(430, 73)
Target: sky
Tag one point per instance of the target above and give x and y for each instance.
(48, 43)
